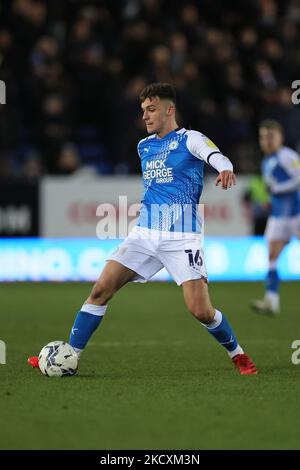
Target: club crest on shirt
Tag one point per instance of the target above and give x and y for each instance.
(173, 145)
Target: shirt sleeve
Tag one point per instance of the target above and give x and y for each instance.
(203, 148)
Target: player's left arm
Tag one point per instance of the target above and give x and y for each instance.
(227, 179)
(202, 147)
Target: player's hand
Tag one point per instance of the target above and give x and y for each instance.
(226, 178)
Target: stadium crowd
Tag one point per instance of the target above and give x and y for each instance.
(74, 69)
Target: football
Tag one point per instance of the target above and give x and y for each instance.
(58, 359)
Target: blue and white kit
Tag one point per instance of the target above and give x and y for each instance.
(281, 172)
(168, 233)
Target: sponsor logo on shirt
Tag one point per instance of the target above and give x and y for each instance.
(210, 143)
(156, 169)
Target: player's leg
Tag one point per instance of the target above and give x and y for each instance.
(278, 233)
(131, 261)
(272, 280)
(271, 301)
(198, 302)
(186, 265)
(112, 278)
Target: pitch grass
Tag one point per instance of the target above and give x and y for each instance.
(152, 378)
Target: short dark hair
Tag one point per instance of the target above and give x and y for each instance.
(161, 90)
(271, 124)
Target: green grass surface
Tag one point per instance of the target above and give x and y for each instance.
(151, 378)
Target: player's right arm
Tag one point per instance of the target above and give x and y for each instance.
(203, 148)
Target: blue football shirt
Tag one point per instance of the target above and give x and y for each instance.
(172, 169)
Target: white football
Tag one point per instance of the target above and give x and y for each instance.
(58, 359)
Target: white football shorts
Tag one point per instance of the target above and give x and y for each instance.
(147, 251)
(282, 228)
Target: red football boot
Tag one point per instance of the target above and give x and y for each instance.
(244, 364)
(33, 361)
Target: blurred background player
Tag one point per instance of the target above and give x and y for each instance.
(281, 171)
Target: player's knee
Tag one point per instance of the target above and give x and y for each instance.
(101, 293)
(273, 255)
(203, 313)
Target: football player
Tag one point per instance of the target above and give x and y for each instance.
(169, 231)
(281, 172)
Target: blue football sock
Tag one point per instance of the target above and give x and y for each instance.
(272, 281)
(86, 322)
(221, 330)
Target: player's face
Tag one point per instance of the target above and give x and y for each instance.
(270, 140)
(156, 114)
